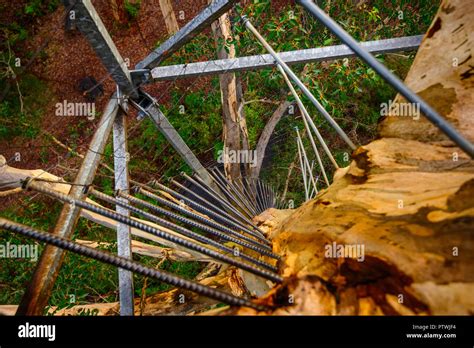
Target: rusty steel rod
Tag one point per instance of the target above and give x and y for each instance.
(230, 208)
(212, 206)
(31, 185)
(199, 207)
(126, 264)
(193, 223)
(227, 191)
(214, 194)
(201, 218)
(232, 190)
(179, 229)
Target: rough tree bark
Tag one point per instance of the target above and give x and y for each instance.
(407, 199)
(118, 11)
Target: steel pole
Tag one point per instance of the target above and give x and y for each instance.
(39, 289)
(307, 119)
(303, 151)
(388, 76)
(300, 84)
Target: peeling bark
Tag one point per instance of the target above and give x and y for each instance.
(406, 200)
(235, 134)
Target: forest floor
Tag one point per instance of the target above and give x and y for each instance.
(65, 58)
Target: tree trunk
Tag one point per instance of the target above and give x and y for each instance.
(393, 233)
(235, 135)
(169, 16)
(118, 11)
(266, 135)
(244, 134)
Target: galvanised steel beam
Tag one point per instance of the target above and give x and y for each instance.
(307, 120)
(91, 26)
(191, 29)
(291, 57)
(41, 285)
(124, 240)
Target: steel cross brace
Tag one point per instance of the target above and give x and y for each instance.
(89, 23)
(37, 295)
(149, 106)
(262, 61)
(91, 26)
(191, 29)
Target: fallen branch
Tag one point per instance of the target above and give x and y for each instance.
(10, 192)
(13, 177)
(172, 302)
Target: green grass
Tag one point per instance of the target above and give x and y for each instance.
(37, 8)
(132, 8)
(348, 89)
(36, 96)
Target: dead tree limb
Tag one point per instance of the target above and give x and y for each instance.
(235, 134)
